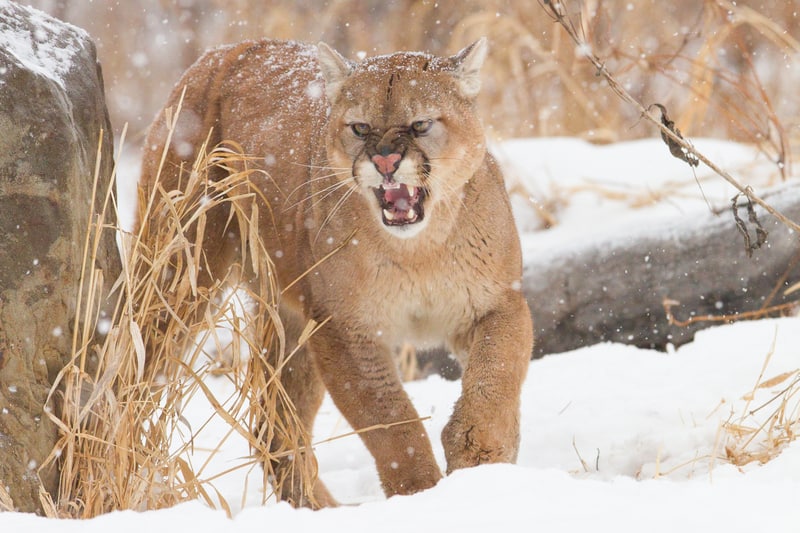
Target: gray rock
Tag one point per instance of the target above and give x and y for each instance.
(52, 116)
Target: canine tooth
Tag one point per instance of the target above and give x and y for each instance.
(388, 214)
(411, 214)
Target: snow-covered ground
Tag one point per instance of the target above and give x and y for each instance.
(614, 438)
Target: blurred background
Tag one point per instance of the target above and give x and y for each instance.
(723, 69)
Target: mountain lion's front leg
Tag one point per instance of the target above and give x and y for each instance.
(484, 427)
(362, 380)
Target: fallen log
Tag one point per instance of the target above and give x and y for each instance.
(701, 270)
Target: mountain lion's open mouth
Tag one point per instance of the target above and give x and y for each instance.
(401, 203)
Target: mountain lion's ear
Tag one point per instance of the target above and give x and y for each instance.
(468, 63)
(335, 69)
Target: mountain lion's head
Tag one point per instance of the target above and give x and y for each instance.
(403, 131)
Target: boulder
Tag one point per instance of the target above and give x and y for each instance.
(52, 117)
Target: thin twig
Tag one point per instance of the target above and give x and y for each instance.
(744, 315)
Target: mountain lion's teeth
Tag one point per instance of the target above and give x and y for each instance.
(411, 214)
(388, 214)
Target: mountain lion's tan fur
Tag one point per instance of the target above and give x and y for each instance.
(388, 158)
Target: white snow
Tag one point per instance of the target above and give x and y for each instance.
(37, 51)
(629, 188)
(614, 438)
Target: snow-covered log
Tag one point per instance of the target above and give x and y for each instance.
(614, 287)
(52, 113)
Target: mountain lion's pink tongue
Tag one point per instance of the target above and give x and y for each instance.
(393, 195)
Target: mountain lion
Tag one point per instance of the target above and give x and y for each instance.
(383, 162)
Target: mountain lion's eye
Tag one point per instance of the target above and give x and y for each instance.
(360, 129)
(421, 126)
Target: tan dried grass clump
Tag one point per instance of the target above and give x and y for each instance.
(118, 404)
(761, 433)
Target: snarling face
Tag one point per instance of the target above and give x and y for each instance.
(406, 127)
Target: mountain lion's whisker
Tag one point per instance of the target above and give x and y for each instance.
(322, 193)
(353, 188)
(316, 179)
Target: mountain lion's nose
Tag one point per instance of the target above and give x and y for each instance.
(386, 164)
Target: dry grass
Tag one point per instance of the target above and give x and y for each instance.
(721, 68)
(124, 442)
(670, 133)
(6, 503)
(759, 433)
